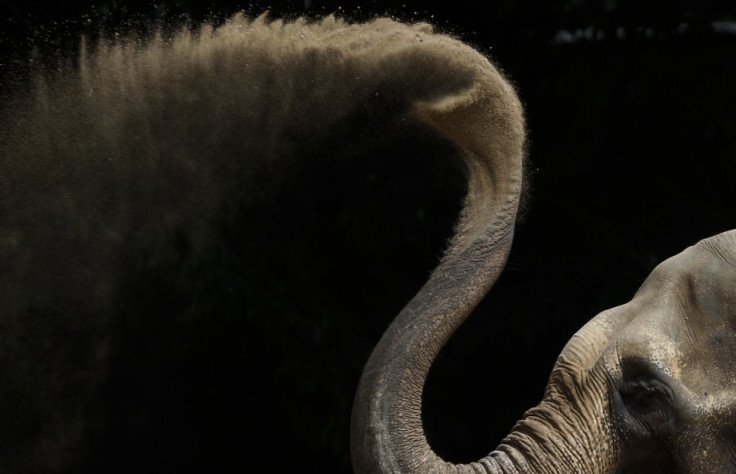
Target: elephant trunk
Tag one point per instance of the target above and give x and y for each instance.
(486, 123)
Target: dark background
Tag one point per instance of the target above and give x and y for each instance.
(631, 109)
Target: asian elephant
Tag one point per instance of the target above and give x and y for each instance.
(649, 386)
(122, 178)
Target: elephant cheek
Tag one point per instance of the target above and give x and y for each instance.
(705, 451)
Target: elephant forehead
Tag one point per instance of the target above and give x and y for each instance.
(703, 279)
(684, 316)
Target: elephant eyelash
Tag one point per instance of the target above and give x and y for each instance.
(640, 393)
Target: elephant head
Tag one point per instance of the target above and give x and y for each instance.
(648, 386)
(645, 387)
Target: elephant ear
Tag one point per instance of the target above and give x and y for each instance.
(483, 117)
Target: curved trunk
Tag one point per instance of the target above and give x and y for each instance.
(486, 123)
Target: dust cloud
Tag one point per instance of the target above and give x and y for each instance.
(126, 181)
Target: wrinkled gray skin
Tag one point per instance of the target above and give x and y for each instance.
(649, 386)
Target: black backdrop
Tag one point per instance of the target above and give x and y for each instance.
(630, 107)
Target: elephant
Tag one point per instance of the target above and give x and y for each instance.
(122, 182)
(648, 386)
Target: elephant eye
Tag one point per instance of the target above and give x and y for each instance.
(644, 396)
(642, 388)
(639, 394)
